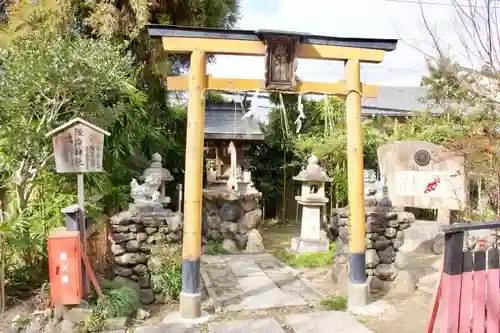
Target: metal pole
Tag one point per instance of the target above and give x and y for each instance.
(83, 231)
(179, 188)
(357, 286)
(190, 298)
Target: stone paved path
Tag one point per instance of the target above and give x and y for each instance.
(313, 322)
(244, 287)
(254, 281)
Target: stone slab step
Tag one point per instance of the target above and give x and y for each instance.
(267, 325)
(167, 328)
(325, 322)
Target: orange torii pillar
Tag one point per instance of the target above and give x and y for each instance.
(281, 51)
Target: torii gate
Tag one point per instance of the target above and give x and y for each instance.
(281, 49)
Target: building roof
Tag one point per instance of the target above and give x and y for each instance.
(396, 101)
(225, 122)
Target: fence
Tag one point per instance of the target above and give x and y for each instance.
(98, 246)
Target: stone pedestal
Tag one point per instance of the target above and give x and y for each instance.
(232, 218)
(311, 238)
(304, 245)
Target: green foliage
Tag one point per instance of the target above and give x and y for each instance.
(118, 300)
(467, 125)
(121, 301)
(323, 133)
(167, 277)
(27, 235)
(321, 259)
(48, 79)
(215, 97)
(334, 303)
(213, 247)
(61, 59)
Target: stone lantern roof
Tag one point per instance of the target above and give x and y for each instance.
(157, 167)
(313, 172)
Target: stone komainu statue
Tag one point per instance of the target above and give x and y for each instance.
(148, 191)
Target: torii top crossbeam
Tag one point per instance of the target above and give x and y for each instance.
(180, 40)
(248, 42)
(281, 50)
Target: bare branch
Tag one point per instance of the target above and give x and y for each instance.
(479, 44)
(431, 33)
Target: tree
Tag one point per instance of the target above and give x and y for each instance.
(323, 133)
(464, 80)
(467, 73)
(124, 21)
(65, 58)
(46, 79)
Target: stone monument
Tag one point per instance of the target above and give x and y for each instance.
(232, 182)
(412, 166)
(312, 199)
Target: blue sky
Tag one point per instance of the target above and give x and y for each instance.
(348, 18)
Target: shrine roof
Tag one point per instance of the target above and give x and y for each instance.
(223, 121)
(159, 30)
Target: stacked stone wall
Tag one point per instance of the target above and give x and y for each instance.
(385, 264)
(133, 234)
(232, 219)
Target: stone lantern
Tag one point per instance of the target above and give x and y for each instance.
(312, 198)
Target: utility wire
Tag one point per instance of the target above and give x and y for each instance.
(416, 2)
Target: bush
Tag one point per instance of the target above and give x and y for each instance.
(167, 277)
(118, 300)
(321, 259)
(213, 247)
(121, 301)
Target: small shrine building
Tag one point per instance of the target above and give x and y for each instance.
(228, 135)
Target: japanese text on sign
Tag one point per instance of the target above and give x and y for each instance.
(78, 149)
(63, 256)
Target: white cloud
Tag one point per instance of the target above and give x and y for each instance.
(344, 18)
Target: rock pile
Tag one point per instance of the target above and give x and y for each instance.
(384, 237)
(386, 266)
(65, 319)
(133, 233)
(233, 218)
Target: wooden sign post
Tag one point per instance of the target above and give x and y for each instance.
(78, 148)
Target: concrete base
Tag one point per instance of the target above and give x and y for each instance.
(301, 245)
(190, 305)
(375, 309)
(357, 295)
(176, 318)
